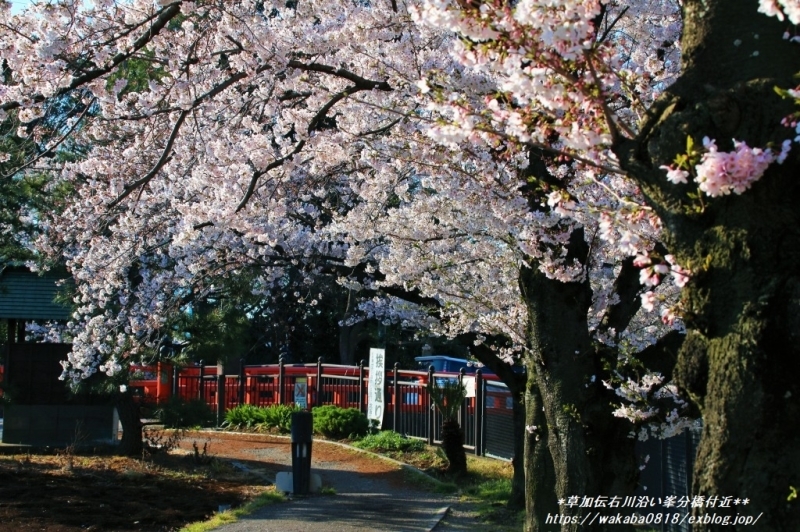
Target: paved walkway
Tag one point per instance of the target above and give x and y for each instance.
(366, 499)
(359, 505)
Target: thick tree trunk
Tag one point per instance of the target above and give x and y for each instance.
(349, 336)
(517, 499)
(741, 356)
(540, 483)
(588, 448)
(130, 418)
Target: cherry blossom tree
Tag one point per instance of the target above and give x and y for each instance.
(492, 177)
(727, 209)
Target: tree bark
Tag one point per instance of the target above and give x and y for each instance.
(349, 336)
(517, 499)
(540, 480)
(588, 449)
(130, 419)
(453, 446)
(741, 355)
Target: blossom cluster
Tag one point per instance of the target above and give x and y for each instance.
(720, 173)
(656, 408)
(781, 9)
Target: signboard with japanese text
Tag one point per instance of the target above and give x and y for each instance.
(375, 403)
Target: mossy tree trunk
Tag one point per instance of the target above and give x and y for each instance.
(577, 447)
(540, 481)
(741, 357)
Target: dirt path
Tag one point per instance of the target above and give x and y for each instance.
(371, 494)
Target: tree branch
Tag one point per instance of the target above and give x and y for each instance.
(54, 146)
(165, 157)
(360, 82)
(256, 175)
(629, 288)
(163, 19)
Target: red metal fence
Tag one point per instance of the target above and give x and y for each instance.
(407, 403)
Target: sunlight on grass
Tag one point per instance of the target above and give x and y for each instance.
(497, 490)
(389, 441)
(268, 497)
(428, 483)
(488, 485)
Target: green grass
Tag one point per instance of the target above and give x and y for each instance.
(428, 483)
(495, 490)
(407, 450)
(486, 487)
(266, 498)
(389, 441)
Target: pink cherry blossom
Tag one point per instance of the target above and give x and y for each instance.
(676, 175)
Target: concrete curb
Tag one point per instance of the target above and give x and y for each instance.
(440, 514)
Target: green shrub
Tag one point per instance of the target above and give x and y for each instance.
(244, 416)
(279, 417)
(263, 418)
(389, 441)
(180, 414)
(339, 423)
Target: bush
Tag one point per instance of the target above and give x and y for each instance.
(339, 423)
(263, 418)
(180, 414)
(279, 417)
(244, 416)
(389, 441)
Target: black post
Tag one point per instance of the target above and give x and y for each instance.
(21, 331)
(462, 413)
(280, 380)
(361, 385)
(200, 391)
(480, 408)
(318, 388)
(302, 428)
(396, 402)
(175, 381)
(220, 397)
(431, 411)
(242, 380)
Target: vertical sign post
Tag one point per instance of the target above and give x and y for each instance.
(375, 404)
